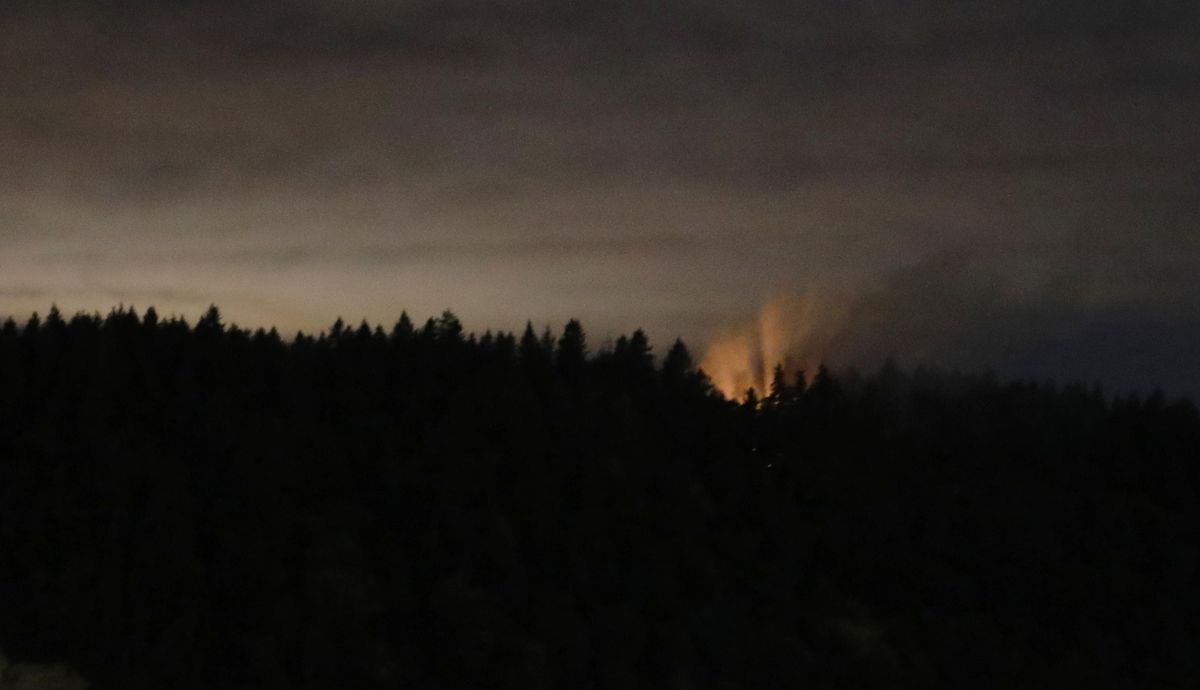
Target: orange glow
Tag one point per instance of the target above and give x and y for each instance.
(794, 331)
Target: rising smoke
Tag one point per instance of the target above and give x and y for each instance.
(797, 331)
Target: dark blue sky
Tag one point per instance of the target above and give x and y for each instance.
(1007, 184)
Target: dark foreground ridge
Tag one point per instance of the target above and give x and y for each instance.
(211, 508)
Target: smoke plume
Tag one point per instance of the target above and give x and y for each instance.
(796, 331)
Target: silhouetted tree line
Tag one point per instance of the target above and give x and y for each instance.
(207, 507)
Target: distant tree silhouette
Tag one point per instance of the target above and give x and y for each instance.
(402, 332)
(572, 350)
(449, 328)
(534, 354)
(780, 392)
(209, 507)
(678, 366)
(211, 321)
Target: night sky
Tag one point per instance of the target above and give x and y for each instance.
(970, 184)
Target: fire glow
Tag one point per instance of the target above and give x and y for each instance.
(792, 331)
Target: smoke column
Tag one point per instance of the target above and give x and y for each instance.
(795, 330)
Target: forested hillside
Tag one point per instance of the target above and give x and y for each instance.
(206, 507)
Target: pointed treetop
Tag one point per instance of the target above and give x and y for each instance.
(533, 349)
(572, 346)
(751, 401)
(430, 329)
(211, 321)
(639, 344)
(529, 339)
(637, 351)
(678, 361)
(779, 387)
(403, 329)
(801, 383)
(449, 327)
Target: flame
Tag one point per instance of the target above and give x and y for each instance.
(795, 331)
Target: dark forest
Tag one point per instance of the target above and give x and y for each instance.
(202, 506)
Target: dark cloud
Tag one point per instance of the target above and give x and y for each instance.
(954, 311)
(396, 254)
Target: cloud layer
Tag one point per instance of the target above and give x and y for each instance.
(1006, 184)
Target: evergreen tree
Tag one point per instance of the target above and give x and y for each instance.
(531, 348)
(402, 332)
(780, 392)
(678, 362)
(571, 353)
(211, 321)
